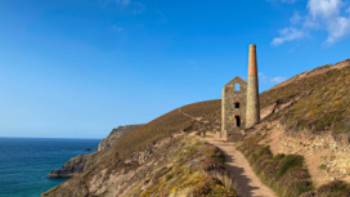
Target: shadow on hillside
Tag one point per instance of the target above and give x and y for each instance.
(241, 181)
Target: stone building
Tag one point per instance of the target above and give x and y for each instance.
(233, 108)
(240, 102)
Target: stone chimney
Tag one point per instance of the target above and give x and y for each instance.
(253, 106)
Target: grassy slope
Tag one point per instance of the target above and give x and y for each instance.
(322, 100)
(181, 166)
(194, 165)
(168, 124)
(323, 105)
(285, 174)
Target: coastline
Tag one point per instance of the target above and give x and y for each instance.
(25, 163)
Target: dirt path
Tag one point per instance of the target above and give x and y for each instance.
(247, 183)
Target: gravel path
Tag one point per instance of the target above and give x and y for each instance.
(247, 183)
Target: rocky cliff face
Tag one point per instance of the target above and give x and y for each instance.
(79, 163)
(73, 166)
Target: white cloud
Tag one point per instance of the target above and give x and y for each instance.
(271, 80)
(278, 79)
(288, 34)
(330, 16)
(338, 28)
(324, 8)
(296, 18)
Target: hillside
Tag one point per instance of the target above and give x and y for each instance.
(311, 104)
(321, 100)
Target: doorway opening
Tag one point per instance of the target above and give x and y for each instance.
(238, 121)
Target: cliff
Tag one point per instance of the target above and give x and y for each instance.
(177, 165)
(73, 166)
(115, 134)
(303, 137)
(79, 163)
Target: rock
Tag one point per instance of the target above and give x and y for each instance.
(88, 149)
(73, 166)
(343, 138)
(78, 164)
(116, 133)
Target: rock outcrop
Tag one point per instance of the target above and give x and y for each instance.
(77, 164)
(116, 133)
(73, 166)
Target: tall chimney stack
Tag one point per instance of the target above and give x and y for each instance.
(253, 106)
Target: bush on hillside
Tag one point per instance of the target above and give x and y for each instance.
(285, 174)
(335, 188)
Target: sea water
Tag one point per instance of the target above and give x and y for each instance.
(25, 163)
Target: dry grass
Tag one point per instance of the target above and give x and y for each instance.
(310, 112)
(323, 103)
(165, 126)
(285, 174)
(191, 173)
(333, 189)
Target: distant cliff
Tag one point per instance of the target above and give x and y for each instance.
(79, 163)
(116, 133)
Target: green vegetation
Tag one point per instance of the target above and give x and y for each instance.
(323, 101)
(143, 137)
(285, 174)
(191, 173)
(333, 189)
(322, 104)
(164, 126)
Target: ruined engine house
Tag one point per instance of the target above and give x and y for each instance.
(240, 106)
(233, 108)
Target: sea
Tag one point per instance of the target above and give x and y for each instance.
(25, 163)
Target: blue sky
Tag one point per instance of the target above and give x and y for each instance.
(77, 68)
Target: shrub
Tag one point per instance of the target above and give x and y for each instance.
(285, 174)
(333, 189)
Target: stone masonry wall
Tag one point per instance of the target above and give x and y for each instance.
(233, 109)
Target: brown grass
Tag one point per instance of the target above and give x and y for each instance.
(333, 189)
(323, 103)
(285, 174)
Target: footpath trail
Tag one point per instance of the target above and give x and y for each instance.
(247, 183)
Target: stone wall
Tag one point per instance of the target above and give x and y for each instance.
(233, 109)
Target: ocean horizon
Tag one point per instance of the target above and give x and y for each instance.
(26, 162)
